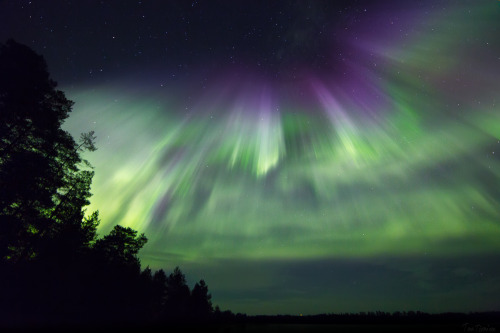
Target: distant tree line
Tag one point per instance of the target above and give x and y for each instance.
(54, 269)
(458, 319)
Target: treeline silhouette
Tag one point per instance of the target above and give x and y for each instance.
(54, 267)
(381, 317)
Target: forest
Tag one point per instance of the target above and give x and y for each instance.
(55, 268)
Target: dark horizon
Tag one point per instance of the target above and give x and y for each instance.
(300, 157)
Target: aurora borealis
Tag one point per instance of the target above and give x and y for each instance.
(343, 157)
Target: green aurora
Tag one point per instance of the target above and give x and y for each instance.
(239, 179)
(246, 171)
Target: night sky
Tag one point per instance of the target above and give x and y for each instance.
(300, 156)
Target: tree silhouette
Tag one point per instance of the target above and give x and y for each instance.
(201, 304)
(43, 183)
(159, 295)
(178, 296)
(121, 246)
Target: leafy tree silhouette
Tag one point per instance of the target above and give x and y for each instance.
(119, 280)
(43, 184)
(121, 246)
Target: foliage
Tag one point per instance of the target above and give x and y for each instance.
(44, 188)
(121, 246)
